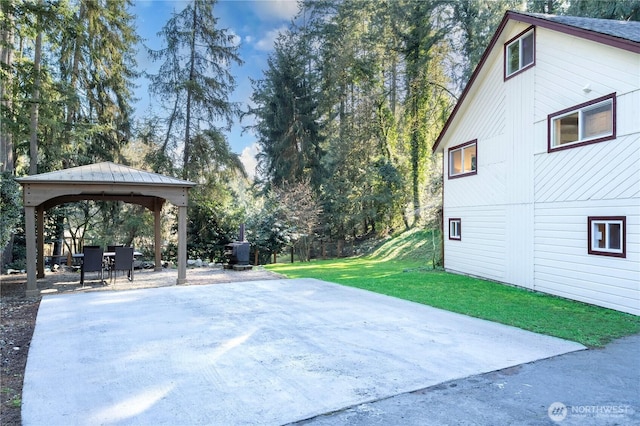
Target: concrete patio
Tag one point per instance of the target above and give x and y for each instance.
(261, 352)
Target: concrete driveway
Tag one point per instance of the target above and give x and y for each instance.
(261, 352)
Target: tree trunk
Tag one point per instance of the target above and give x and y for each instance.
(59, 242)
(75, 69)
(394, 86)
(172, 117)
(6, 137)
(187, 134)
(415, 160)
(6, 58)
(35, 101)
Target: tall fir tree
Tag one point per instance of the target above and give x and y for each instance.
(195, 77)
(288, 129)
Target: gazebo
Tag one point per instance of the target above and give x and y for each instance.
(105, 182)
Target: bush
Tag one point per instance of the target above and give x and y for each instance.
(10, 207)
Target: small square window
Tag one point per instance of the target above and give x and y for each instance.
(519, 53)
(586, 123)
(455, 228)
(607, 235)
(463, 159)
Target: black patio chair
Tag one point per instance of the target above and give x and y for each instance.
(92, 261)
(109, 260)
(123, 262)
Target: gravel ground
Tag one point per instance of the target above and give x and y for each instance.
(18, 314)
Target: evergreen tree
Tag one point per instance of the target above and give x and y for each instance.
(288, 129)
(195, 77)
(425, 107)
(475, 22)
(624, 10)
(552, 7)
(96, 43)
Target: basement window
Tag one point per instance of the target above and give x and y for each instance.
(607, 235)
(455, 229)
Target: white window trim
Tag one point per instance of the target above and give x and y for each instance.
(607, 251)
(518, 40)
(461, 148)
(455, 229)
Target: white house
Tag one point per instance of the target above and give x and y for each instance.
(542, 161)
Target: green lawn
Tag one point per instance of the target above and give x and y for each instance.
(408, 278)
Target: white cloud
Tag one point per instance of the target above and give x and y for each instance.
(277, 9)
(265, 44)
(249, 160)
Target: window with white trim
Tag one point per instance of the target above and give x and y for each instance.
(519, 53)
(463, 159)
(455, 229)
(591, 122)
(607, 235)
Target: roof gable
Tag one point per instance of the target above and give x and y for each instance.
(106, 172)
(620, 34)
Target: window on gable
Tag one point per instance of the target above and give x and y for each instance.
(519, 53)
(607, 235)
(463, 159)
(586, 123)
(455, 228)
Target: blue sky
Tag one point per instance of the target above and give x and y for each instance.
(256, 23)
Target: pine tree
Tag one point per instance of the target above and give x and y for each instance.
(286, 108)
(95, 43)
(195, 77)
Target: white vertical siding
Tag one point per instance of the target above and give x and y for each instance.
(519, 175)
(519, 245)
(496, 205)
(478, 200)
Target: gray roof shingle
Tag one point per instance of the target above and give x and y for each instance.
(628, 30)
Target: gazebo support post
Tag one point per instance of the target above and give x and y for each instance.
(40, 239)
(157, 209)
(182, 245)
(30, 234)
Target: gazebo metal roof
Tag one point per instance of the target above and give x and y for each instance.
(106, 172)
(102, 181)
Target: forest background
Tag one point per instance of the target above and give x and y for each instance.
(354, 95)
